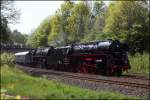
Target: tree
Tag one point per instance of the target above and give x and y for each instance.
(32, 41)
(17, 37)
(55, 28)
(5, 31)
(122, 15)
(128, 21)
(39, 37)
(8, 15)
(65, 13)
(67, 25)
(9, 12)
(98, 8)
(76, 26)
(42, 33)
(95, 22)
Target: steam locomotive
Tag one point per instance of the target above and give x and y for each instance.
(108, 57)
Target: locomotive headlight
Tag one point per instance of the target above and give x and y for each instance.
(99, 60)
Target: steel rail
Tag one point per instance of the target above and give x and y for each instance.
(129, 84)
(46, 73)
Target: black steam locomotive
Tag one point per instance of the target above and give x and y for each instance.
(107, 57)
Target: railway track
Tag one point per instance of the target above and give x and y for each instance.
(129, 84)
(135, 76)
(47, 73)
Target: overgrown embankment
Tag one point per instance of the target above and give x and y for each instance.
(15, 82)
(139, 63)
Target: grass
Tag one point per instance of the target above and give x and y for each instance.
(139, 63)
(15, 82)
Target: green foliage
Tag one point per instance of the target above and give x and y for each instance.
(55, 27)
(140, 63)
(17, 37)
(18, 83)
(32, 41)
(67, 25)
(98, 8)
(9, 15)
(138, 39)
(77, 20)
(40, 36)
(128, 21)
(95, 23)
(65, 12)
(8, 59)
(5, 31)
(7, 36)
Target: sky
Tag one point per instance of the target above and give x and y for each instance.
(32, 13)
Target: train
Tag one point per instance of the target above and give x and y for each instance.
(106, 57)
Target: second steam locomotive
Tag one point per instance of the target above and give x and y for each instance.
(107, 57)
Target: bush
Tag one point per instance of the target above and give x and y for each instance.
(139, 63)
(7, 58)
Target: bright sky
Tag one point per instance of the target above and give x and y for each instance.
(32, 13)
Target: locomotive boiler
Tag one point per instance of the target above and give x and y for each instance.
(107, 57)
